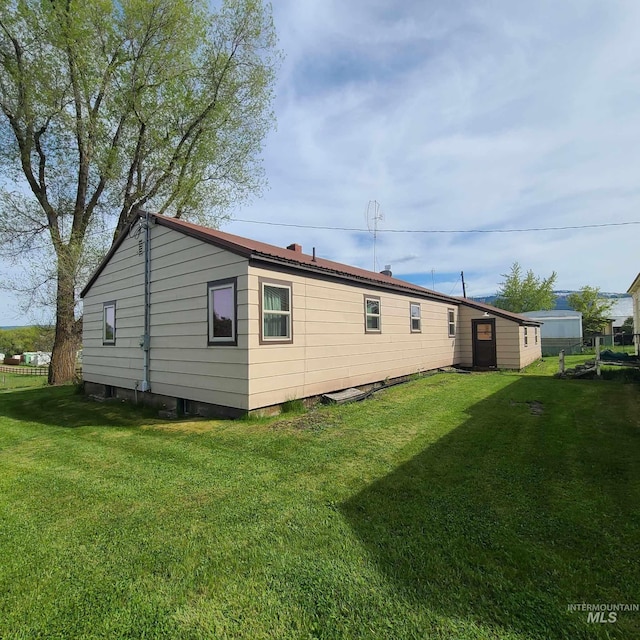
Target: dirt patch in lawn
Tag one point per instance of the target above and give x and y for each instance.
(310, 421)
(535, 406)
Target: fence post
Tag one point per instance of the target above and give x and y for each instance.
(598, 356)
(561, 362)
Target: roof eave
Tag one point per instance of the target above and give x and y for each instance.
(163, 222)
(635, 285)
(507, 315)
(194, 233)
(114, 247)
(390, 286)
(257, 256)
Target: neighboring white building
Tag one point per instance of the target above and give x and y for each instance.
(562, 329)
(37, 358)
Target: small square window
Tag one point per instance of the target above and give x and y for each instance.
(451, 317)
(484, 331)
(222, 312)
(415, 314)
(276, 312)
(109, 323)
(372, 314)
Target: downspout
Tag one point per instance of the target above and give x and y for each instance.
(145, 342)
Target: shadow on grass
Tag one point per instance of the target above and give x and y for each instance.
(526, 507)
(65, 407)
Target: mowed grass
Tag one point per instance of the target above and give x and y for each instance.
(20, 381)
(455, 506)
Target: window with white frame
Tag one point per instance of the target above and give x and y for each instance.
(451, 319)
(526, 337)
(109, 323)
(416, 319)
(535, 333)
(372, 314)
(222, 312)
(276, 312)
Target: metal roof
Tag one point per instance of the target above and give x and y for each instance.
(268, 254)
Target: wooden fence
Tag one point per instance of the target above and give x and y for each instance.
(32, 371)
(24, 371)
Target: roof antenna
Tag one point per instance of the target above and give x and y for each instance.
(374, 216)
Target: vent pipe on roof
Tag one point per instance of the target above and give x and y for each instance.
(313, 259)
(387, 270)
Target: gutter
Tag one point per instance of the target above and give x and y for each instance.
(258, 258)
(146, 338)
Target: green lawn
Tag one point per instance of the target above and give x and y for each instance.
(455, 506)
(20, 381)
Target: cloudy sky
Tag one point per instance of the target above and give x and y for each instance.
(456, 115)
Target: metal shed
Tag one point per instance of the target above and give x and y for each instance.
(562, 329)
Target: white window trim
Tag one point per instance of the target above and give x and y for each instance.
(368, 315)
(217, 286)
(418, 317)
(289, 336)
(451, 323)
(526, 338)
(105, 340)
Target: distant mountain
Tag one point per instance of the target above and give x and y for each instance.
(623, 306)
(621, 298)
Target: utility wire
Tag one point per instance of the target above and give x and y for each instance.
(454, 286)
(94, 234)
(310, 226)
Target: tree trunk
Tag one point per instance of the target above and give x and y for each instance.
(65, 345)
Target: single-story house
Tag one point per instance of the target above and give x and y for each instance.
(209, 322)
(561, 331)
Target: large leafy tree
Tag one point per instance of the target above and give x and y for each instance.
(110, 106)
(594, 308)
(525, 292)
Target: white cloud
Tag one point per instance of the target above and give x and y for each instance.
(455, 114)
(459, 115)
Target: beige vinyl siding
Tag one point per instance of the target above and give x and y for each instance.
(510, 350)
(532, 351)
(330, 348)
(182, 364)
(122, 281)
